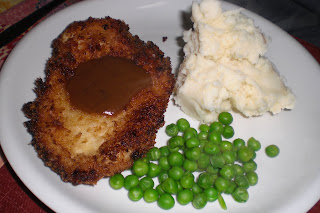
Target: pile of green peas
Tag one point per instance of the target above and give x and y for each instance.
(223, 167)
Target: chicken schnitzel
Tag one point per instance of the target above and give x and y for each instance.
(81, 146)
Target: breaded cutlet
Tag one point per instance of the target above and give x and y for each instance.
(84, 147)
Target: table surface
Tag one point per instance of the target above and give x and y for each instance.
(14, 195)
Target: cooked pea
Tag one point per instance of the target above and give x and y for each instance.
(242, 181)
(175, 159)
(193, 153)
(176, 141)
(185, 196)
(192, 142)
(183, 124)
(170, 186)
(150, 195)
(164, 151)
(146, 183)
(154, 170)
(229, 157)
(249, 166)
(205, 180)
(135, 193)
(240, 195)
(172, 130)
(254, 144)
(211, 148)
(189, 133)
(221, 184)
(252, 178)
(187, 181)
(176, 172)
(204, 128)
(130, 181)
(227, 172)
(245, 154)
(116, 181)
(217, 161)
(199, 201)
(272, 151)
(164, 163)
(222, 203)
(211, 194)
(215, 137)
(216, 127)
(226, 146)
(166, 201)
(140, 168)
(225, 118)
(237, 143)
(190, 166)
(228, 132)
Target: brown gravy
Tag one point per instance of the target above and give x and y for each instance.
(106, 85)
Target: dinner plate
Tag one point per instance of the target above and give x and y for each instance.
(287, 183)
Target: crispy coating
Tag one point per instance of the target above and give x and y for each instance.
(84, 147)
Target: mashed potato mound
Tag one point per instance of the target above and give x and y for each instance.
(224, 67)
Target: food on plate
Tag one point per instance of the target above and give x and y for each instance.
(272, 151)
(224, 67)
(196, 166)
(74, 135)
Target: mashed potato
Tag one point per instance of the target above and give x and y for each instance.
(224, 67)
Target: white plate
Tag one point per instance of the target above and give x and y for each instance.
(288, 183)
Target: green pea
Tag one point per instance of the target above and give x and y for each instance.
(135, 194)
(240, 195)
(164, 163)
(164, 151)
(221, 184)
(245, 154)
(190, 166)
(180, 188)
(203, 135)
(237, 143)
(203, 161)
(199, 201)
(227, 172)
(225, 118)
(252, 178)
(204, 128)
(160, 190)
(175, 172)
(231, 188)
(272, 151)
(217, 161)
(146, 183)
(211, 148)
(226, 146)
(205, 180)
(175, 159)
(216, 127)
(116, 181)
(242, 181)
(254, 144)
(140, 168)
(150, 195)
(211, 194)
(183, 124)
(196, 189)
(166, 201)
(185, 196)
(228, 132)
(239, 170)
(250, 166)
(229, 157)
(169, 186)
(176, 141)
(192, 142)
(212, 170)
(154, 170)
(130, 181)
(163, 176)
(193, 153)
(202, 143)
(190, 133)
(215, 137)
(172, 130)
(187, 181)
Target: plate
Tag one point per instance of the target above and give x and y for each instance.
(288, 183)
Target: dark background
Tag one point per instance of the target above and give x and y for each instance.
(300, 18)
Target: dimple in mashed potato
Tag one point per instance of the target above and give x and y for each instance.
(224, 67)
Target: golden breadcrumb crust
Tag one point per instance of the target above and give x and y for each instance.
(84, 147)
